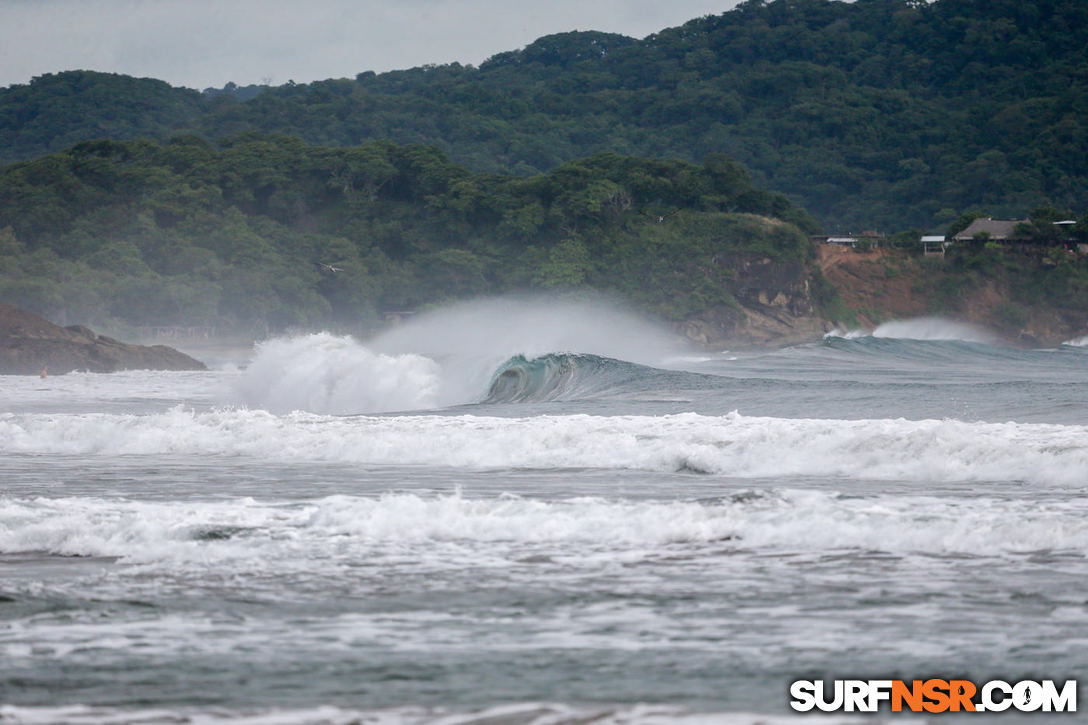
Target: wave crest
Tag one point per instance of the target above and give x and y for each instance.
(562, 376)
(922, 328)
(1077, 342)
(324, 373)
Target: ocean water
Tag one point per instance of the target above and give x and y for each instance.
(540, 512)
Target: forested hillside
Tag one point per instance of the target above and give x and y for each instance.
(266, 232)
(876, 113)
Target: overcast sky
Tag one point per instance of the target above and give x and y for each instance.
(201, 43)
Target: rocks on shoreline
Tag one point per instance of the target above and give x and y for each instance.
(29, 343)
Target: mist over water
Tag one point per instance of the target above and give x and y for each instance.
(924, 328)
(488, 357)
(933, 328)
(443, 357)
(324, 373)
(531, 326)
(1077, 342)
(539, 510)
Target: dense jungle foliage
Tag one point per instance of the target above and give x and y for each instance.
(872, 114)
(266, 232)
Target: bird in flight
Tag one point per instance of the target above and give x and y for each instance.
(660, 218)
(329, 267)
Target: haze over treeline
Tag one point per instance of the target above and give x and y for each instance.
(266, 232)
(877, 113)
(585, 160)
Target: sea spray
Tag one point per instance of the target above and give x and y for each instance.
(324, 373)
(471, 340)
(500, 328)
(441, 358)
(922, 328)
(934, 328)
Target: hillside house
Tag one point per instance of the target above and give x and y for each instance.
(869, 239)
(842, 241)
(933, 245)
(1000, 230)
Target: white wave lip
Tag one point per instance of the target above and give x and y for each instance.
(922, 328)
(1077, 342)
(325, 373)
(933, 328)
(847, 334)
(289, 536)
(731, 445)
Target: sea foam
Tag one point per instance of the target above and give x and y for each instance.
(732, 445)
(287, 536)
(532, 713)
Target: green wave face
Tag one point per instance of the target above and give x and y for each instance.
(563, 376)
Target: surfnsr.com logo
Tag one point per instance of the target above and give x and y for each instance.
(933, 695)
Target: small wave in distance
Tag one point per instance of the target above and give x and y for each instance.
(922, 328)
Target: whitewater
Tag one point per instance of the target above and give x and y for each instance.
(540, 511)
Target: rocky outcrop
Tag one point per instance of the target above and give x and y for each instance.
(732, 327)
(29, 343)
(774, 308)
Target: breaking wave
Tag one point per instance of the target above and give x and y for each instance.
(731, 445)
(1077, 342)
(927, 340)
(449, 357)
(922, 328)
(544, 378)
(568, 376)
(278, 534)
(324, 373)
(933, 328)
(327, 374)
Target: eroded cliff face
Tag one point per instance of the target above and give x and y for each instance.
(881, 285)
(775, 307)
(29, 344)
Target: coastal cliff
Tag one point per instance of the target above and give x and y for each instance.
(791, 302)
(29, 343)
(1015, 295)
(774, 305)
